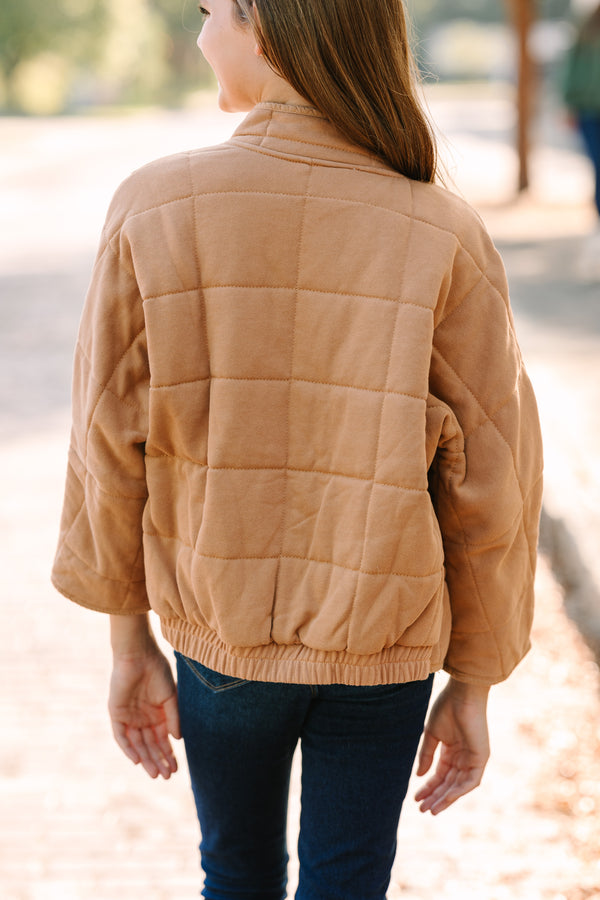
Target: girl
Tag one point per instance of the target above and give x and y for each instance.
(304, 437)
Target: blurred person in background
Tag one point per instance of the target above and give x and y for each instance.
(582, 97)
(303, 435)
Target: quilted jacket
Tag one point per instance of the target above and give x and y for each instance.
(303, 434)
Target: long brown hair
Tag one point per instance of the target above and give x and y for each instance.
(351, 60)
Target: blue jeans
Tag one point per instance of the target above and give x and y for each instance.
(358, 748)
(589, 125)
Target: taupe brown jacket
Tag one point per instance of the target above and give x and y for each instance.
(303, 433)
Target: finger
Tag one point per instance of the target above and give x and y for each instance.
(428, 789)
(163, 759)
(164, 745)
(159, 748)
(137, 739)
(441, 774)
(171, 708)
(460, 783)
(463, 786)
(426, 753)
(435, 789)
(162, 740)
(120, 735)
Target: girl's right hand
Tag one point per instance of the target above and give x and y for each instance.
(457, 722)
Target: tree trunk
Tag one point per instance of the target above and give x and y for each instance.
(523, 16)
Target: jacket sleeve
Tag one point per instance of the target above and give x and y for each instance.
(99, 562)
(486, 476)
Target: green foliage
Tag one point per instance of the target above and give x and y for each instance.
(64, 54)
(27, 27)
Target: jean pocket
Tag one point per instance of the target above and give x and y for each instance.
(214, 681)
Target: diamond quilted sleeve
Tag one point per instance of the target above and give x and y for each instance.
(99, 562)
(488, 479)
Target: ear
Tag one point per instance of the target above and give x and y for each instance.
(257, 50)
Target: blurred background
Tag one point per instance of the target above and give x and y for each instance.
(74, 56)
(91, 89)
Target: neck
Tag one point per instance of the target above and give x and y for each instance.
(277, 90)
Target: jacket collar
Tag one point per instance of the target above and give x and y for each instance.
(301, 132)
